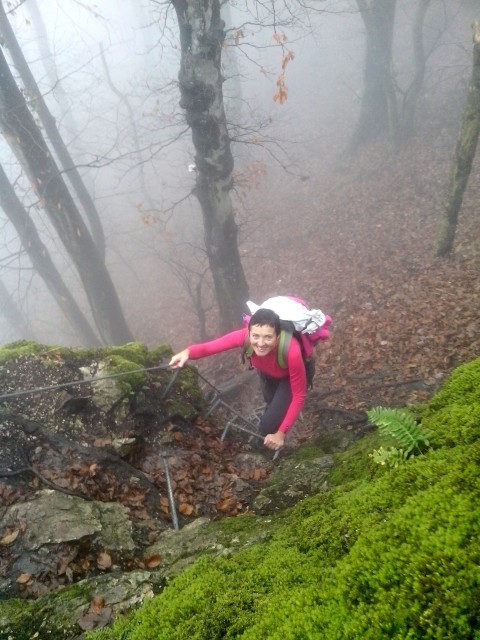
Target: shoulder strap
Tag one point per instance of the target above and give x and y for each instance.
(282, 348)
(247, 351)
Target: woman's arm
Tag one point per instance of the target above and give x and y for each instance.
(202, 349)
(298, 385)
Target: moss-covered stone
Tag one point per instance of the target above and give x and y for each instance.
(14, 350)
(185, 398)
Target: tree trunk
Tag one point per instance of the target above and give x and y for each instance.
(200, 79)
(48, 121)
(26, 141)
(12, 313)
(378, 112)
(42, 263)
(413, 92)
(464, 155)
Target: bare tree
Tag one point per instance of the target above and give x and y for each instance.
(26, 141)
(420, 63)
(42, 262)
(200, 78)
(48, 122)
(386, 106)
(464, 155)
(378, 110)
(12, 313)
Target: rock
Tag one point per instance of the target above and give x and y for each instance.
(53, 517)
(107, 392)
(291, 482)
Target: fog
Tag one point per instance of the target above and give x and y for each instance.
(108, 73)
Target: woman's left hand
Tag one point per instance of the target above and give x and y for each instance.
(274, 441)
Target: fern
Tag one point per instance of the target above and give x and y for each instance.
(401, 426)
(392, 457)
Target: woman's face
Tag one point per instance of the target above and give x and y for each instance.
(263, 339)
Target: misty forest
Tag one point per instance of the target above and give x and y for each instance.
(162, 162)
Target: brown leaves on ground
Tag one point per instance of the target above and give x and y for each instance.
(97, 616)
(206, 474)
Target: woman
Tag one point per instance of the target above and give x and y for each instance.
(284, 389)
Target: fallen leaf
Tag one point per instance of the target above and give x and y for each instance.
(97, 603)
(104, 560)
(185, 509)
(95, 620)
(230, 504)
(153, 561)
(8, 538)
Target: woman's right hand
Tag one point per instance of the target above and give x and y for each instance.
(179, 359)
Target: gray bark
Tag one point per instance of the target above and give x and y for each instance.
(420, 60)
(48, 121)
(12, 313)
(26, 141)
(464, 155)
(200, 79)
(42, 262)
(378, 111)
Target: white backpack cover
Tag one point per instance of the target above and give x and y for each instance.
(304, 320)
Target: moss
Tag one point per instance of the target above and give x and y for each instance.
(461, 388)
(132, 351)
(334, 564)
(454, 424)
(51, 616)
(242, 528)
(14, 350)
(185, 397)
(130, 382)
(355, 462)
(162, 352)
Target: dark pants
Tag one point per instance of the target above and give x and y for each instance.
(277, 395)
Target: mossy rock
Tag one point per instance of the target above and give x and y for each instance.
(13, 350)
(185, 398)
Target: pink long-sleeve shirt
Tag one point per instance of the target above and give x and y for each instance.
(267, 364)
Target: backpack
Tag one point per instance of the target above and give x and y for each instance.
(307, 326)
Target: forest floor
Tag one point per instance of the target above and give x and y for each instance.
(356, 241)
